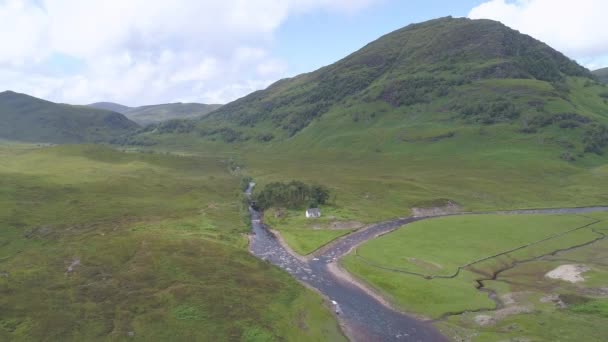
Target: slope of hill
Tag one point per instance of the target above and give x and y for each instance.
(157, 113)
(146, 263)
(26, 118)
(460, 73)
(458, 109)
(152, 114)
(602, 75)
(111, 106)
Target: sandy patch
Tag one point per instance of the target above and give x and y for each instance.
(512, 310)
(513, 306)
(450, 208)
(569, 273)
(484, 320)
(339, 225)
(498, 315)
(344, 225)
(72, 267)
(508, 299)
(553, 298)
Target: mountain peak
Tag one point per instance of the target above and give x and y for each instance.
(409, 66)
(111, 106)
(12, 93)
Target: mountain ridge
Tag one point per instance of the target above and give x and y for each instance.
(30, 119)
(111, 106)
(602, 75)
(153, 114)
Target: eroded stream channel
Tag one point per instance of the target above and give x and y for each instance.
(364, 317)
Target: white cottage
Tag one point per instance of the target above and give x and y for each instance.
(313, 213)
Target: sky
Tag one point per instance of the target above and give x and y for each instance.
(138, 52)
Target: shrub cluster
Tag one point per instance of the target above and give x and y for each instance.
(415, 90)
(175, 126)
(227, 134)
(491, 112)
(292, 195)
(564, 120)
(596, 139)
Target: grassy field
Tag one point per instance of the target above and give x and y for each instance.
(304, 235)
(435, 249)
(438, 247)
(401, 263)
(98, 244)
(583, 317)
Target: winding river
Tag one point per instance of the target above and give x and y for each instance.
(365, 317)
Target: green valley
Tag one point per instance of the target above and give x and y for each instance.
(99, 244)
(418, 150)
(464, 110)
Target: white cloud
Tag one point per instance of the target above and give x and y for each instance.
(23, 32)
(202, 71)
(142, 51)
(576, 28)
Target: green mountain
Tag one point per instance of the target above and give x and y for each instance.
(602, 75)
(111, 106)
(157, 113)
(425, 82)
(152, 114)
(26, 118)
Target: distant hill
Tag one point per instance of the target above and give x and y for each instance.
(111, 106)
(423, 83)
(602, 75)
(146, 115)
(158, 113)
(29, 119)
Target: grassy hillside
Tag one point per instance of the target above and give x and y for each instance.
(461, 71)
(458, 109)
(113, 107)
(602, 74)
(424, 83)
(146, 115)
(26, 118)
(89, 251)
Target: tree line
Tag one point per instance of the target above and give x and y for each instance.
(292, 195)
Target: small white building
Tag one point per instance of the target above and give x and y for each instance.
(313, 213)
